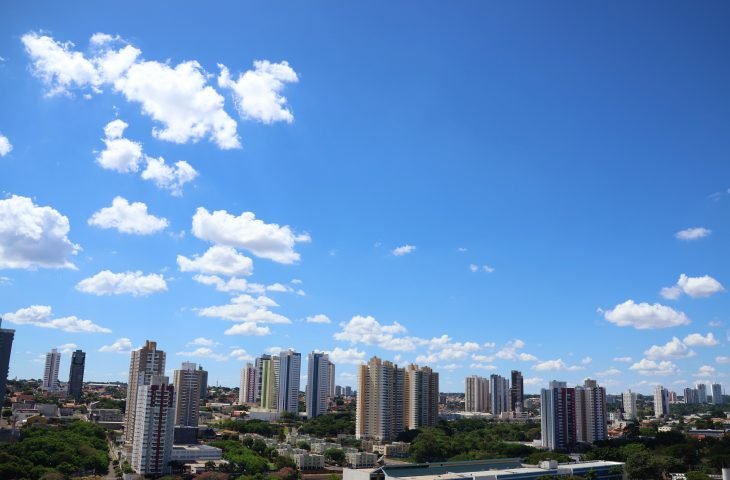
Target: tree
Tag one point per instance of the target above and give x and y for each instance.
(334, 455)
(430, 446)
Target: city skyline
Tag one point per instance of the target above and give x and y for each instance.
(563, 216)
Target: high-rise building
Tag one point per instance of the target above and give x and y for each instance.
(187, 395)
(331, 376)
(247, 389)
(629, 404)
(154, 426)
(338, 391)
(716, 393)
(6, 345)
(557, 416)
(591, 418)
(348, 391)
(266, 381)
(691, 396)
(76, 374)
(420, 397)
(661, 402)
(476, 394)
(318, 384)
(517, 391)
(701, 393)
(203, 377)
(290, 363)
(50, 371)
(379, 413)
(499, 394)
(145, 363)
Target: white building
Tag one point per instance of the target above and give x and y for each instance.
(476, 394)
(145, 362)
(195, 453)
(318, 384)
(331, 376)
(629, 402)
(590, 412)
(187, 395)
(309, 461)
(661, 402)
(50, 372)
(716, 393)
(499, 394)
(154, 427)
(361, 459)
(289, 371)
(247, 390)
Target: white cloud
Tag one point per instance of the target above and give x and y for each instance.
(586, 361)
(319, 318)
(203, 342)
(67, 348)
(532, 381)
(556, 365)
(443, 349)
(623, 359)
(482, 366)
(129, 283)
(257, 93)
(482, 358)
(279, 288)
(650, 367)
(131, 218)
(217, 260)
(33, 236)
(121, 345)
(510, 352)
(675, 348)
(473, 268)
(204, 352)
(5, 145)
(461, 249)
(265, 240)
(351, 356)
(180, 99)
(296, 281)
(241, 355)
(643, 316)
(168, 177)
(41, 316)
(121, 154)
(487, 268)
(611, 372)
(693, 233)
(403, 250)
(695, 287)
(369, 331)
(248, 329)
(705, 371)
(722, 360)
(697, 340)
(231, 285)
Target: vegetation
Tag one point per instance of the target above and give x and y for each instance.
(242, 459)
(50, 451)
(260, 427)
(330, 425)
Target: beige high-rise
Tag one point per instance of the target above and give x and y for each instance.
(145, 362)
(476, 394)
(379, 414)
(187, 395)
(420, 397)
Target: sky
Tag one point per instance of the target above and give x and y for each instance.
(473, 186)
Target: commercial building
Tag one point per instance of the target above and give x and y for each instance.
(154, 427)
(557, 416)
(661, 402)
(289, 374)
(50, 371)
(517, 391)
(590, 412)
(76, 374)
(6, 345)
(476, 394)
(247, 389)
(318, 384)
(187, 382)
(144, 364)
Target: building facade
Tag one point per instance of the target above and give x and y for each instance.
(591, 418)
(629, 404)
(379, 413)
(499, 394)
(318, 384)
(476, 394)
(144, 364)
(76, 374)
(290, 363)
(6, 345)
(420, 397)
(187, 382)
(247, 388)
(716, 392)
(517, 391)
(557, 416)
(50, 371)
(661, 402)
(154, 426)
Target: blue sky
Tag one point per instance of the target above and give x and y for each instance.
(514, 176)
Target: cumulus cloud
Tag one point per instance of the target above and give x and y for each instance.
(510, 351)
(257, 93)
(204, 352)
(42, 316)
(403, 250)
(250, 312)
(623, 359)
(217, 260)
(121, 345)
(32, 236)
(369, 331)
(444, 349)
(697, 340)
(203, 342)
(695, 287)
(166, 177)
(705, 371)
(675, 348)
(126, 283)
(556, 365)
(125, 217)
(319, 318)
(644, 316)
(231, 285)
(121, 154)
(250, 329)
(265, 240)
(67, 348)
(722, 360)
(650, 367)
(351, 356)
(5, 145)
(241, 355)
(611, 372)
(693, 233)
(484, 366)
